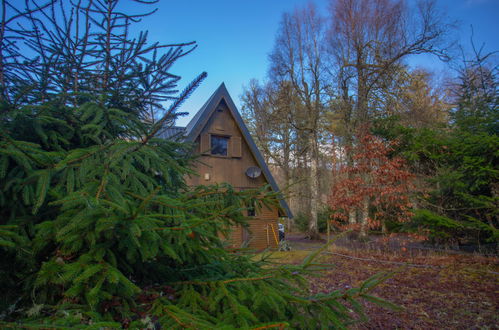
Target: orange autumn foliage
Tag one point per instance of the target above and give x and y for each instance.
(373, 173)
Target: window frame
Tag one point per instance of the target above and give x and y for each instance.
(222, 138)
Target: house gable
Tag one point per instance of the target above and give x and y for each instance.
(219, 116)
(228, 168)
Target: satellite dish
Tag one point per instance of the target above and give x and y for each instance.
(253, 172)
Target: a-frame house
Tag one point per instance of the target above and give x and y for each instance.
(229, 154)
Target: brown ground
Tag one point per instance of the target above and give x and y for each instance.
(446, 291)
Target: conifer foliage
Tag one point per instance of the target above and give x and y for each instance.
(97, 227)
(455, 164)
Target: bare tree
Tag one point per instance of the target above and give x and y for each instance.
(369, 40)
(416, 98)
(266, 110)
(298, 59)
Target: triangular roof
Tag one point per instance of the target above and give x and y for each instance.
(199, 121)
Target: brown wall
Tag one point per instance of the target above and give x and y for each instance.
(230, 169)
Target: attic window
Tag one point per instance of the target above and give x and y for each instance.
(219, 145)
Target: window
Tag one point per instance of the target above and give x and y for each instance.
(251, 209)
(219, 145)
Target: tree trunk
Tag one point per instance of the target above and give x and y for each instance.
(287, 180)
(384, 230)
(303, 188)
(352, 216)
(313, 231)
(352, 213)
(364, 217)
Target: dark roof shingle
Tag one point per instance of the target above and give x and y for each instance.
(173, 132)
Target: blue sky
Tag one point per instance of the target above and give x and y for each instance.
(235, 37)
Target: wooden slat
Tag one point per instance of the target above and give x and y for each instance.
(205, 143)
(232, 169)
(235, 143)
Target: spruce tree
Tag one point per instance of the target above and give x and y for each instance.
(97, 226)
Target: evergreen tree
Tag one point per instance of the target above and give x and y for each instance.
(457, 162)
(477, 95)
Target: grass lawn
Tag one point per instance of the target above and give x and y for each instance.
(437, 291)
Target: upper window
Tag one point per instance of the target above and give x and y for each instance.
(219, 145)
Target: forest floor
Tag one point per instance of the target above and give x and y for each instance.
(438, 290)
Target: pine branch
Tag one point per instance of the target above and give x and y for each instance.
(280, 325)
(244, 279)
(176, 104)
